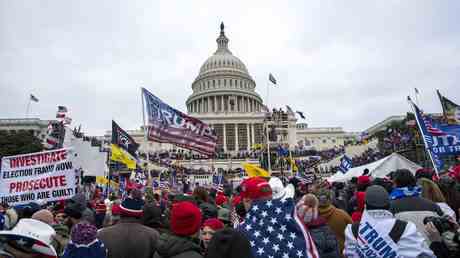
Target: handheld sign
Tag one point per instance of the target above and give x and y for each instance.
(41, 176)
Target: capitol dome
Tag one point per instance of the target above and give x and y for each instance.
(223, 84)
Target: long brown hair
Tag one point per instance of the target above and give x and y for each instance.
(431, 191)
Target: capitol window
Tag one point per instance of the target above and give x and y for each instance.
(213, 83)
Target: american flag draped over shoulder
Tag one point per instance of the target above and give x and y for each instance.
(274, 231)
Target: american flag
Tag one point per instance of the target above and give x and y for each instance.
(430, 128)
(274, 230)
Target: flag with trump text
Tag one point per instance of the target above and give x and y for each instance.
(169, 125)
(441, 139)
(274, 230)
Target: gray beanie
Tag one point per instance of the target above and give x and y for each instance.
(377, 196)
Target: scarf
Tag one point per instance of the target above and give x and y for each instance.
(402, 192)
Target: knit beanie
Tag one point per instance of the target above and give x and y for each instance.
(214, 224)
(132, 208)
(84, 243)
(229, 243)
(45, 216)
(185, 218)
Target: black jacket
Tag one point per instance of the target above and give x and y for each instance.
(324, 239)
(171, 246)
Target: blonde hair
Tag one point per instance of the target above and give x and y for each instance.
(431, 191)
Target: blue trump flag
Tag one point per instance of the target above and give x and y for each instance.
(345, 164)
(274, 230)
(440, 139)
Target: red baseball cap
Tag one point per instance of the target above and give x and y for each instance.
(255, 188)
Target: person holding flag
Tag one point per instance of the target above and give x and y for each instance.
(450, 109)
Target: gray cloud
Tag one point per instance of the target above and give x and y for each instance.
(344, 63)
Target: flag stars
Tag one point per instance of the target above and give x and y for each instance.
(269, 204)
(255, 208)
(285, 255)
(292, 235)
(280, 237)
(260, 250)
(270, 229)
(278, 210)
(290, 245)
(276, 248)
(264, 214)
(283, 228)
(248, 227)
(261, 222)
(252, 243)
(265, 240)
(257, 233)
(273, 221)
(299, 253)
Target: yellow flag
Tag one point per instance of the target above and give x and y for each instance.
(253, 170)
(293, 165)
(121, 156)
(102, 180)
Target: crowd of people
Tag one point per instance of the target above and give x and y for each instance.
(404, 215)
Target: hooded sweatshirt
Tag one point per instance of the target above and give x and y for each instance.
(337, 220)
(171, 246)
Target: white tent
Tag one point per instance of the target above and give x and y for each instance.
(379, 168)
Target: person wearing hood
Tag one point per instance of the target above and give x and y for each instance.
(380, 234)
(129, 238)
(336, 219)
(325, 240)
(229, 243)
(185, 224)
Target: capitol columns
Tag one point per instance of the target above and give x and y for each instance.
(236, 137)
(224, 137)
(248, 137)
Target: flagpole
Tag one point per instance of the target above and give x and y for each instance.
(149, 177)
(423, 137)
(417, 97)
(266, 131)
(28, 107)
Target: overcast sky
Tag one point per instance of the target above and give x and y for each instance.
(343, 63)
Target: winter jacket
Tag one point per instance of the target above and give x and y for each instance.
(337, 220)
(171, 246)
(325, 240)
(374, 239)
(415, 209)
(129, 238)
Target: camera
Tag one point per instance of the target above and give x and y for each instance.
(442, 224)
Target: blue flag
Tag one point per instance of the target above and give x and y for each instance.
(274, 230)
(345, 164)
(440, 139)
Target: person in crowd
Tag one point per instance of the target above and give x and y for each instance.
(30, 238)
(254, 188)
(45, 216)
(84, 243)
(229, 243)
(444, 244)
(129, 238)
(360, 199)
(431, 191)
(152, 217)
(336, 219)
(450, 190)
(407, 203)
(208, 229)
(380, 234)
(221, 200)
(325, 240)
(185, 223)
(223, 214)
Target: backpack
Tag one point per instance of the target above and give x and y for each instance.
(395, 233)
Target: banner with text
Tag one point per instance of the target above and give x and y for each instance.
(40, 176)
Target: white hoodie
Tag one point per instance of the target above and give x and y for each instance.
(374, 239)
